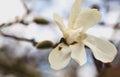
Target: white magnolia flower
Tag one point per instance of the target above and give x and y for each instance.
(76, 39)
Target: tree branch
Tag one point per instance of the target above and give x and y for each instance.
(19, 38)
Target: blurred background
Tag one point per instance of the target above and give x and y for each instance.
(24, 23)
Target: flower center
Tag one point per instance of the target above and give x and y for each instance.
(74, 36)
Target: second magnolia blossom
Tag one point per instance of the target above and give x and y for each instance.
(76, 39)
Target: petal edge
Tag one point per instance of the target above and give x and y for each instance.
(78, 53)
(87, 19)
(103, 50)
(75, 11)
(59, 57)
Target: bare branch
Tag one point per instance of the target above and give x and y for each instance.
(19, 38)
(25, 6)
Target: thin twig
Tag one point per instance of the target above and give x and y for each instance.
(25, 6)
(19, 38)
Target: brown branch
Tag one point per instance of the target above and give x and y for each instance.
(28, 11)
(7, 24)
(25, 6)
(14, 22)
(38, 20)
(19, 38)
(39, 45)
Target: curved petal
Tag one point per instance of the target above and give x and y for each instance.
(78, 53)
(87, 19)
(59, 57)
(75, 11)
(60, 23)
(102, 50)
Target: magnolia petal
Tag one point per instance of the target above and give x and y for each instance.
(60, 23)
(78, 53)
(102, 50)
(87, 19)
(59, 57)
(75, 11)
